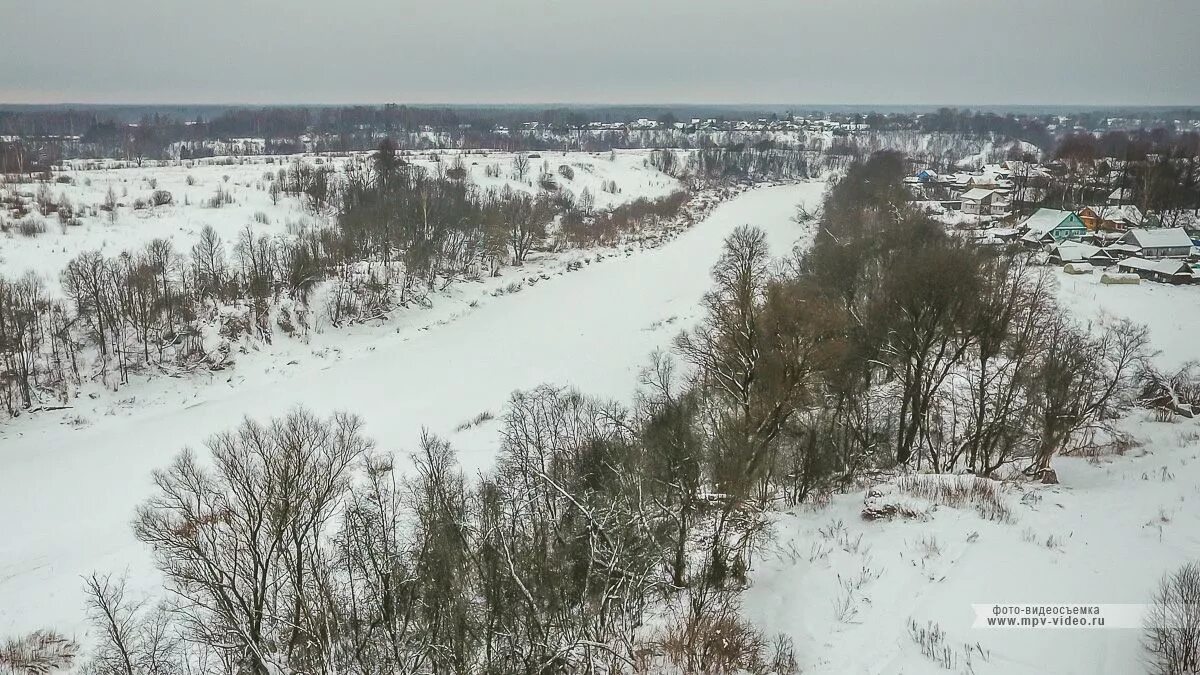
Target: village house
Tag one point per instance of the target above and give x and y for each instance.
(1025, 170)
(1165, 243)
(969, 181)
(1119, 196)
(1071, 252)
(1110, 218)
(1102, 238)
(1075, 252)
(978, 201)
(997, 235)
(1050, 226)
(1164, 271)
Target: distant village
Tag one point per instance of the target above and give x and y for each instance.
(1113, 236)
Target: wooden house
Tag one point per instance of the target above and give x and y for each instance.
(1164, 271)
(1110, 218)
(1171, 242)
(1050, 226)
(978, 201)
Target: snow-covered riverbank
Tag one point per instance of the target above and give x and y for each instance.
(69, 492)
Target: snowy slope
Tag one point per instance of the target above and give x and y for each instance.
(845, 589)
(1105, 535)
(69, 492)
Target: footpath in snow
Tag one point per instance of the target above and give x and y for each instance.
(69, 493)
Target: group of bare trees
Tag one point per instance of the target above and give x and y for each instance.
(581, 225)
(294, 545)
(761, 161)
(415, 228)
(143, 308)
(958, 357)
(36, 348)
(1158, 171)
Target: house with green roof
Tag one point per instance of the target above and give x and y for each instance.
(1051, 226)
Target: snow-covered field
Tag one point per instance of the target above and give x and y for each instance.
(71, 479)
(247, 180)
(1171, 312)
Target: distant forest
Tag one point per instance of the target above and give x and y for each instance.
(35, 138)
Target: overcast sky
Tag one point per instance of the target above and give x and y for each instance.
(1144, 52)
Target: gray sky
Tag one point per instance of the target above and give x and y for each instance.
(1144, 52)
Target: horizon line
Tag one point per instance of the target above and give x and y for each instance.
(568, 105)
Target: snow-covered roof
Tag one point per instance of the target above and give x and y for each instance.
(1102, 235)
(1119, 194)
(1169, 267)
(964, 179)
(1174, 237)
(1002, 231)
(977, 194)
(1124, 248)
(1071, 251)
(1020, 168)
(1045, 220)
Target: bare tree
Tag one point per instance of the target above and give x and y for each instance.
(1171, 634)
(133, 638)
(239, 543)
(520, 166)
(1080, 381)
(110, 204)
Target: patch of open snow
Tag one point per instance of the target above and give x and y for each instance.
(1105, 535)
(1171, 312)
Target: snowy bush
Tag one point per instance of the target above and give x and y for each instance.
(220, 198)
(717, 640)
(485, 416)
(1170, 395)
(38, 653)
(918, 495)
(161, 198)
(935, 646)
(31, 227)
(1172, 626)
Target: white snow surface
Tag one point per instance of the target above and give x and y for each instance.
(1171, 312)
(72, 479)
(1104, 536)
